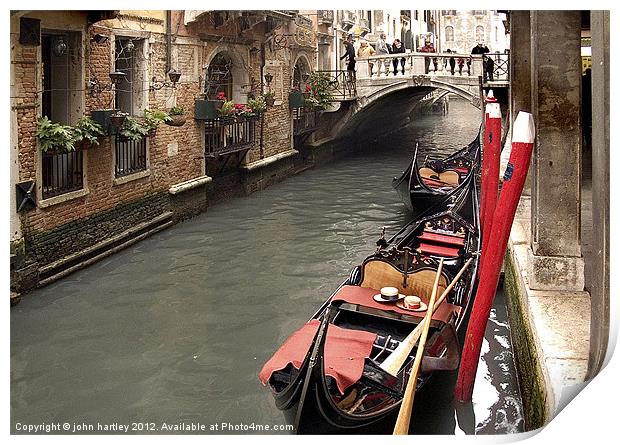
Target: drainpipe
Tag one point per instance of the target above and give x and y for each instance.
(168, 41)
(262, 116)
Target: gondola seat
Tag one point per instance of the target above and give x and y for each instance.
(448, 178)
(378, 273)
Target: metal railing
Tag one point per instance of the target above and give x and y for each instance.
(62, 173)
(415, 63)
(130, 156)
(304, 120)
(229, 135)
(501, 65)
(342, 84)
(325, 16)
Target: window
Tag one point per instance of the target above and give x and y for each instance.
(449, 12)
(219, 77)
(449, 34)
(415, 14)
(129, 156)
(61, 101)
(479, 33)
(370, 23)
(128, 59)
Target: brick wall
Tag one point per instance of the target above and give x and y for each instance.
(175, 153)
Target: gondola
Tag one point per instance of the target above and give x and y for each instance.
(424, 187)
(328, 375)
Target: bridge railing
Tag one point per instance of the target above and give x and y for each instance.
(415, 63)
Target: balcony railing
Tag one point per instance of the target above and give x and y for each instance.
(228, 135)
(304, 120)
(325, 17)
(342, 84)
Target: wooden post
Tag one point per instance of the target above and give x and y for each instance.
(490, 168)
(514, 179)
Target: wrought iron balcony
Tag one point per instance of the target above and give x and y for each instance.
(325, 17)
(348, 20)
(304, 120)
(227, 135)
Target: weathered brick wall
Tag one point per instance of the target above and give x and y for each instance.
(175, 153)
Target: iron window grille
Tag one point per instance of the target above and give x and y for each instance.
(62, 173)
(130, 156)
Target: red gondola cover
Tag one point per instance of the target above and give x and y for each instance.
(445, 239)
(345, 351)
(438, 250)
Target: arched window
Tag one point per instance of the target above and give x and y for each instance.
(219, 77)
(301, 71)
(449, 34)
(479, 33)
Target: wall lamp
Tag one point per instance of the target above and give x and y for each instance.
(115, 77)
(174, 77)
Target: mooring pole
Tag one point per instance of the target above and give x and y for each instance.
(514, 179)
(490, 167)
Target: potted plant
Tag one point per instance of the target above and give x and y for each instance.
(269, 99)
(54, 137)
(227, 111)
(258, 104)
(103, 118)
(177, 117)
(152, 119)
(133, 129)
(117, 119)
(86, 132)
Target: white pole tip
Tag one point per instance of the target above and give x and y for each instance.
(523, 129)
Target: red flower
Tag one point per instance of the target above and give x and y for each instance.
(221, 96)
(308, 89)
(239, 106)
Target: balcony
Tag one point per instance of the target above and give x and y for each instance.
(325, 17)
(303, 21)
(304, 121)
(348, 20)
(224, 136)
(448, 12)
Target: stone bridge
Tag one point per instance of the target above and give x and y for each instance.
(378, 95)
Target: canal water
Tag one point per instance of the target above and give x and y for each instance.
(175, 329)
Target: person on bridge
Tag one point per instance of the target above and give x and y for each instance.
(460, 62)
(452, 62)
(398, 48)
(382, 47)
(365, 51)
(428, 48)
(350, 56)
(488, 64)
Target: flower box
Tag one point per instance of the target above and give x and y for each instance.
(207, 109)
(296, 99)
(102, 117)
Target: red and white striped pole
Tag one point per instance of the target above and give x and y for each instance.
(490, 165)
(514, 179)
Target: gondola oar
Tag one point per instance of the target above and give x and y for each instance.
(395, 361)
(406, 405)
